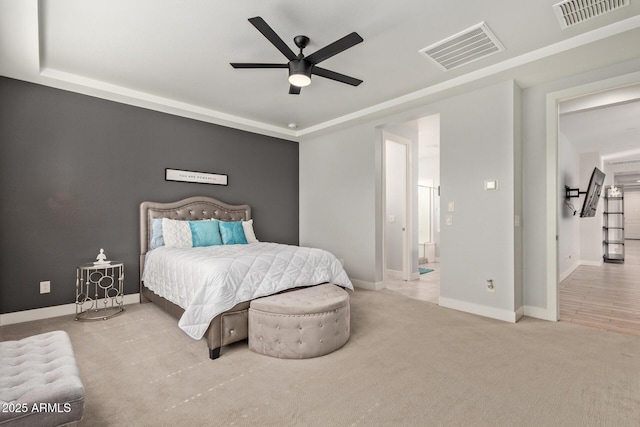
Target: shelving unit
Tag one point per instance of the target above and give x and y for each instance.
(613, 228)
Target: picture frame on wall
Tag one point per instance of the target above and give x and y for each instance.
(181, 175)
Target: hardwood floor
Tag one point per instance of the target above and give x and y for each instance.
(605, 297)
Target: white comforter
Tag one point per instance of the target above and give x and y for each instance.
(207, 281)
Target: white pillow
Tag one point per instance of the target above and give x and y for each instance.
(249, 234)
(176, 234)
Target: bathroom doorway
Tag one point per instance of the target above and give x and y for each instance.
(424, 284)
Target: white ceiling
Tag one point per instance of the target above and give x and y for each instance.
(173, 55)
(612, 130)
(607, 123)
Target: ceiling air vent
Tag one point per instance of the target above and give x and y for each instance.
(467, 46)
(572, 12)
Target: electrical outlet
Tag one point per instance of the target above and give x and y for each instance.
(45, 287)
(490, 287)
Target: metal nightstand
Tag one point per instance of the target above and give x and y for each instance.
(99, 290)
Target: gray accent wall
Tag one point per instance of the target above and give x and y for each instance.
(74, 170)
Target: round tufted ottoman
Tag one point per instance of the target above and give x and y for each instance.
(300, 324)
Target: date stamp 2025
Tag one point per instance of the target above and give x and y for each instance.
(26, 408)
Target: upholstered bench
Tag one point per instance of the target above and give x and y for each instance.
(39, 382)
(300, 324)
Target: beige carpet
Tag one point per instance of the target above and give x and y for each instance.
(408, 363)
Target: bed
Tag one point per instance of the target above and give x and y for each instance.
(209, 287)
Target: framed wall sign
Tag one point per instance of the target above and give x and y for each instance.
(194, 176)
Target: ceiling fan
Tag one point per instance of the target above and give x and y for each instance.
(302, 67)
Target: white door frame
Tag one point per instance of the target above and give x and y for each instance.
(553, 101)
(407, 208)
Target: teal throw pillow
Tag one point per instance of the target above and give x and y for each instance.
(205, 233)
(232, 233)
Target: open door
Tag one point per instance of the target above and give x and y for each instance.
(397, 202)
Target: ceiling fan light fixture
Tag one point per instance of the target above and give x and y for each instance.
(300, 66)
(299, 80)
(300, 73)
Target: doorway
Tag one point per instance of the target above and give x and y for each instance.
(423, 245)
(590, 292)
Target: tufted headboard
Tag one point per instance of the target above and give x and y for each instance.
(192, 208)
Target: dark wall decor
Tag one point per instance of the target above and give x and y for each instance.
(74, 170)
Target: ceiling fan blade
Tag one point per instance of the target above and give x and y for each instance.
(294, 90)
(271, 35)
(323, 72)
(257, 65)
(334, 48)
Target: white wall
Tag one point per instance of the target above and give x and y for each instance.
(477, 132)
(429, 160)
(337, 199)
(477, 143)
(632, 214)
(568, 223)
(579, 239)
(340, 182)
(590, 228)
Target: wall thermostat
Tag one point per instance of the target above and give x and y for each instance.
(491, 185)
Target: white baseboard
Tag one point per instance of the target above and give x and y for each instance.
(394, 274)
(573, 268)
(538, 313)
(592, 263)
(399, 275)
(480, 310)
(370, 286)
(568, 271)
(49, 312)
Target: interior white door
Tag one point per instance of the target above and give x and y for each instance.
(632, 214)
(397, 207)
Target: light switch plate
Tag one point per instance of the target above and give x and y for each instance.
(449, 219)
(491, 185)
(451, 207)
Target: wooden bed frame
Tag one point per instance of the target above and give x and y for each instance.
(228, 327)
